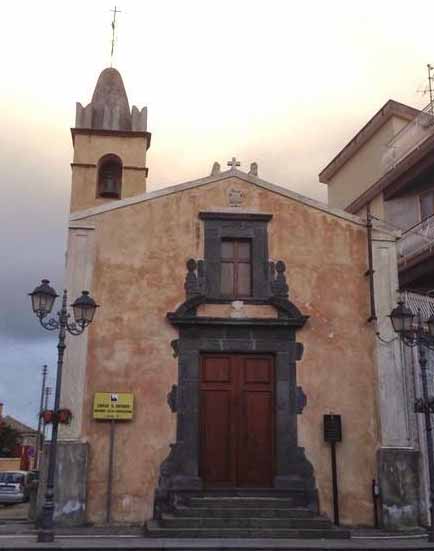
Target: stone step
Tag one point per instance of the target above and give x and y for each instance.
(251, 492)
(234, 512)
(244, 502)
(170, 521)
(155, 530)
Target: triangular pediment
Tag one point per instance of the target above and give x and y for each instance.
(233, 174)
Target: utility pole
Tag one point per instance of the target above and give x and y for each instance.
(38, 439)
(48, 390)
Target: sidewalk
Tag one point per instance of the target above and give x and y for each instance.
(22, 535)
(132, 542)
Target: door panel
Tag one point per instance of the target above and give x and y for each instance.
(237, 423)
(255, 453)
(217, 442)
(216, 370)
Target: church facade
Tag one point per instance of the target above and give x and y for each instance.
(236, 312)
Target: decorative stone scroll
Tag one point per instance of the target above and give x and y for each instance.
(278, 285)
(195, 278)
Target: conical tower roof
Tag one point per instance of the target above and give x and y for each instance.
(110, 106)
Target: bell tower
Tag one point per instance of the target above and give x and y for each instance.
(110, 143)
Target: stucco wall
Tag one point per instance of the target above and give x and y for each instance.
(138, 277)
(364, 168)
(89, 149)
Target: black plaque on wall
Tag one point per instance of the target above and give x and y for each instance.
(332, 428)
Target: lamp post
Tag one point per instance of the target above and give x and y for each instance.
(84, 307)
(414, 332)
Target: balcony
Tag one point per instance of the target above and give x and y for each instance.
(418, 303)
(409, 138)
(416, 240)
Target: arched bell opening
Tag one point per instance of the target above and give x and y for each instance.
(109, 184)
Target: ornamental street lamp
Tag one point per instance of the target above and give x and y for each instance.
(84, 307)
(414, 332)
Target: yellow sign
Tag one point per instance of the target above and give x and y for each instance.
(113, 405)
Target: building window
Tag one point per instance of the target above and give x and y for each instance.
(236, 268)
(426, 202)
(236, 256)
(110, 177)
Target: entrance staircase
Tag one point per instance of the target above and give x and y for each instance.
(242, 516)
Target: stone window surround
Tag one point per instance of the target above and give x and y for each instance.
(236, 225)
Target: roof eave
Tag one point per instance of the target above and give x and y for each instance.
(390, 108)
(389, 179)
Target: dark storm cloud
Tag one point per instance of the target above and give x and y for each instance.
(33, 214)
(35, 188)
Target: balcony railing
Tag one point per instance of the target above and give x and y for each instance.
(416, 240)
(409, 137)
(418, 303)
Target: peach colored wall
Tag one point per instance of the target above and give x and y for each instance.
(139, 276)
(88, 150)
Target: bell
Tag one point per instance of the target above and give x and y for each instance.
(109, 186)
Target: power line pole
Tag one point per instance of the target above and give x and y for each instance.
(38, 439)
(44, 426)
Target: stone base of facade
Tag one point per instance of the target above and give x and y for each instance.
(70, 483)
(398, 476)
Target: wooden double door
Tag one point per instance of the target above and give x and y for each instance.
(237, 420)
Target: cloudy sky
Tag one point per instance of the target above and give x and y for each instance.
(283, 83)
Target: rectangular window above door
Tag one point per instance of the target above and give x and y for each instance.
(236, 256)
(236, 268)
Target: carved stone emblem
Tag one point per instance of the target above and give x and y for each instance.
(237, 311)
(235, 197)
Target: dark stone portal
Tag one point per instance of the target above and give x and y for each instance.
(276, 337)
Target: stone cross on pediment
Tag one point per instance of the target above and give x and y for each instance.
(234, 163)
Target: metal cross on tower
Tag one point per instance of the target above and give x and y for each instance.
(234, 163)
(115, 12)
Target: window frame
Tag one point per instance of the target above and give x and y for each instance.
(236, 260)
(227, 225)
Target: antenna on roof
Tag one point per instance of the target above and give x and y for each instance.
(429, 88)
(115, 12)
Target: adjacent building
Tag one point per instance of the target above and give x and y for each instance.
(387, 170)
